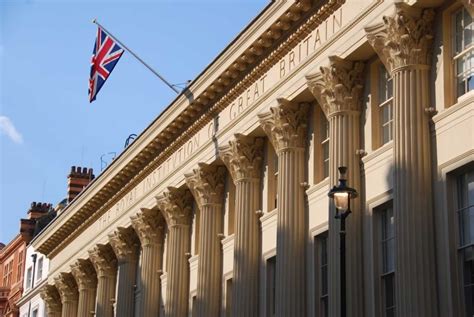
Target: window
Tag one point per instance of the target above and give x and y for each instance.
(387, 247)
(29, 277)
(35, 313)
(324, 133)
(228, 298)
(463, 51)
(321, 275)
(8, 272)
(271, 279)
(19, 271)
(465, 215)
(39, 271)
(385, 101)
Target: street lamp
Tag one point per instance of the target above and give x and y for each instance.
(342, 195)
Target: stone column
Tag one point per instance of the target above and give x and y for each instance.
(243, 158)
(149, 225)
(338, 89)
(86, 280)
(52, 300)
(404, 44)
(67, 289)
(207, 186)
(177, 206)
(105, 264)
(286, 128)
(125, 244)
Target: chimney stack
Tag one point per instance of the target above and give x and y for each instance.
(36, 211)
(79, 178)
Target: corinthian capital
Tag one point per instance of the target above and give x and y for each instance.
(176, 204)
(243, 157)
(207, 184)
(285, 124)
(103, 258)
(67, 287)
(338, 88)
(84, 274)
(50, 295)
(125, 243)
(405, 38)
(149, 225)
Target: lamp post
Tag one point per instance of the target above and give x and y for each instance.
(342, 194)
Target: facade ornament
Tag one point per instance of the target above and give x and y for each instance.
(243, 157)
(405, 38)
(176, 205)
(67, 287)
(338, 88)
(103, 258)
(149, 225)
(207, 184)
(50, 295)
(286, 124)
(84, 274)
(125, 243)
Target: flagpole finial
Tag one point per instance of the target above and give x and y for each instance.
(94, 20)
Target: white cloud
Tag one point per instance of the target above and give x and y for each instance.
(7, 127)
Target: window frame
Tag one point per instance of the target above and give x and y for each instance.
(382, 240)
(39, 269)
(318, 296)
(458, 244)
(321, 141)
(450, 79)
(377, 106)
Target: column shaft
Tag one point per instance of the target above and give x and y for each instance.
(152, 259)
(246, 249)
(177, 289)
(415, 274)
(243, 158)
(105, 295)
(344, 142)
(127, 272)
(210, 261)
(291, 234)
(86, 303)
(69, 308)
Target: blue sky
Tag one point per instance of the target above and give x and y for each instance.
(46, 122)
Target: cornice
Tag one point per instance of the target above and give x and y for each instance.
(249, 56)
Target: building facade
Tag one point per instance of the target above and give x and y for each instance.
(13, 257)
(220, 206)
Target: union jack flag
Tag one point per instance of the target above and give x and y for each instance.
(105, 56)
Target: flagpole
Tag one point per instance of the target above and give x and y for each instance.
(136, 56)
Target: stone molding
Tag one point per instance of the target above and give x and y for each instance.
(207, 184)
(149, 226)
(243, 157)
(404, 39)
(103, 258)
(50, 295)
(67, 287)
(338, 88)
(125, 243)
(177, 206)
(286, 124)
(84, 274)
